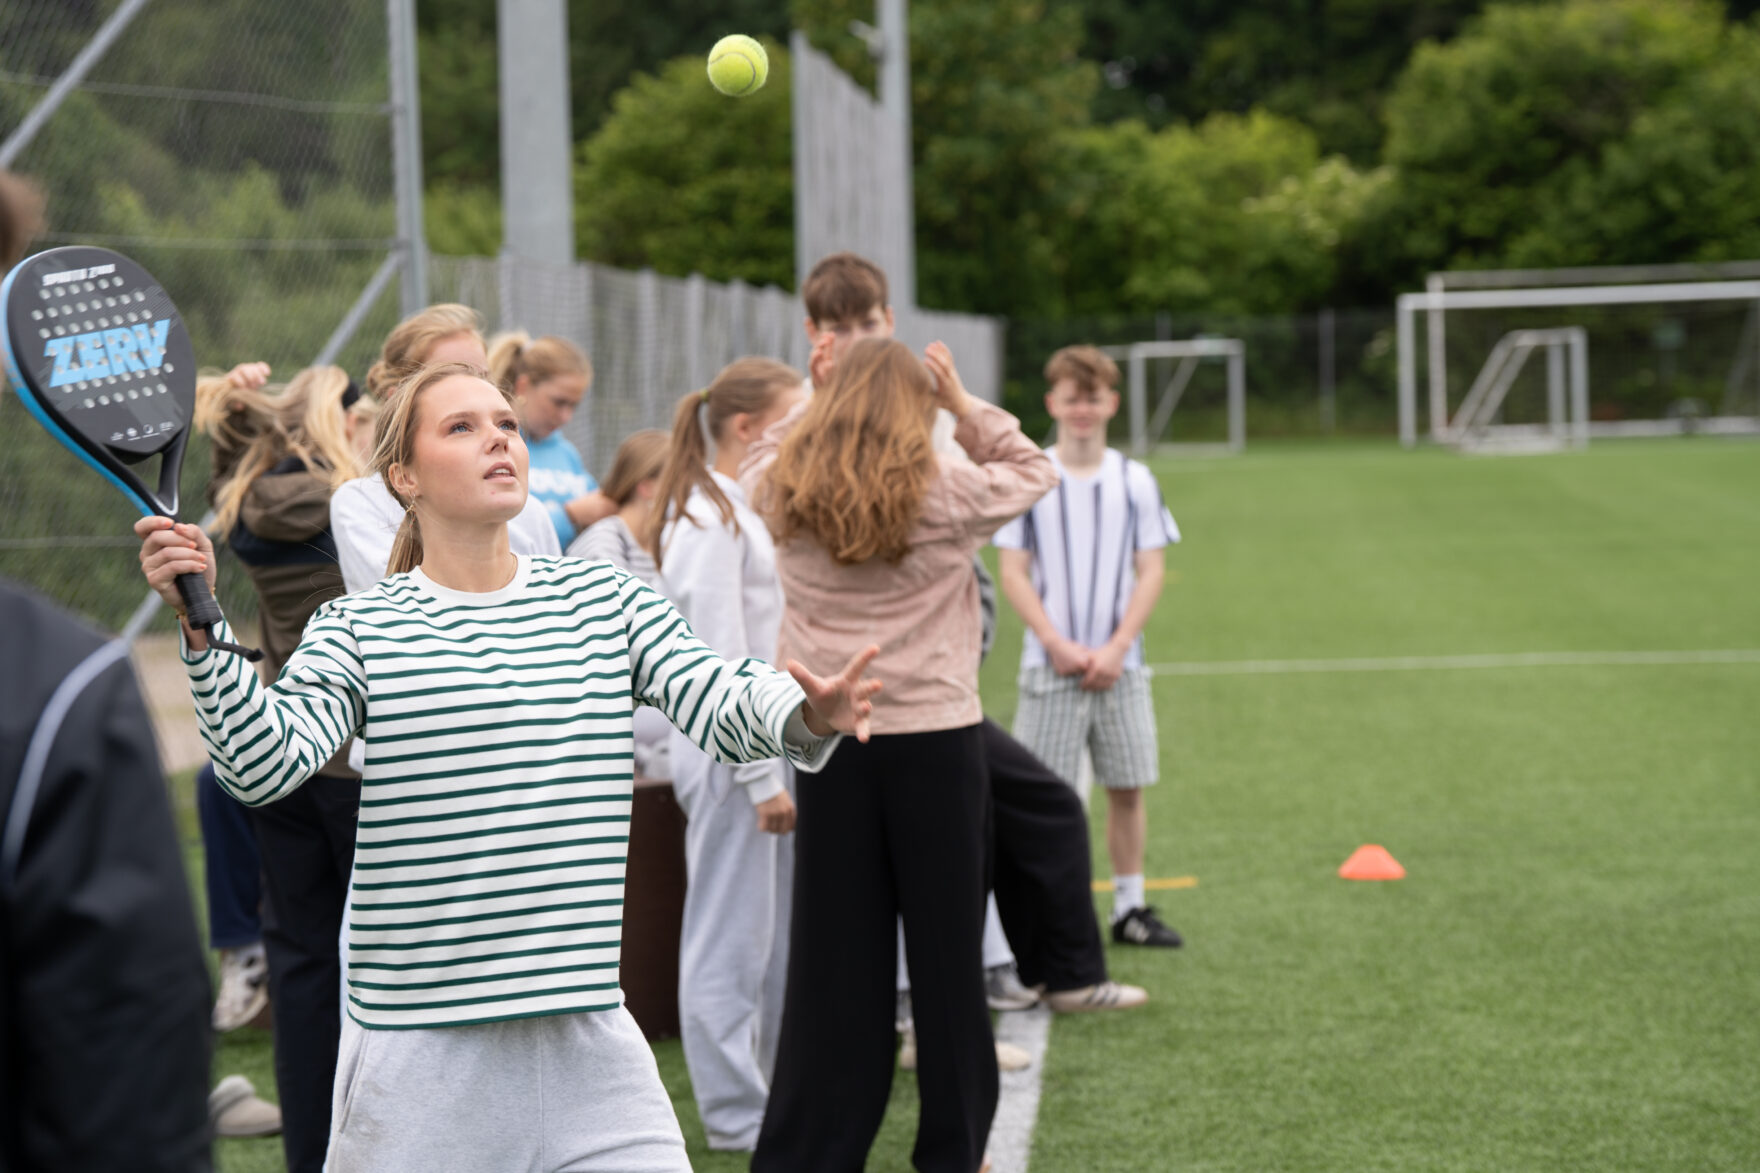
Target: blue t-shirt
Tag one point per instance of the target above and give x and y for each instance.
(557, 477)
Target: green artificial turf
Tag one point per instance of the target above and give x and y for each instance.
(1567, 977)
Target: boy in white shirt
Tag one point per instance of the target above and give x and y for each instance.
(1084, 569)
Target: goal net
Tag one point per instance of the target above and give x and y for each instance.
(1487, 360)
(1190, 394)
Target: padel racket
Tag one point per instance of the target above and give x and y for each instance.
(103, 361)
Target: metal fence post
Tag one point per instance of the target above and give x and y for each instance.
(406, 151)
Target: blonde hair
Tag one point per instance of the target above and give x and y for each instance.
(254, 430)
(641, 457)
(407, 347)
(397, 447)
(516, 353)
(853, 474)
(746, 386)
(1091, 368)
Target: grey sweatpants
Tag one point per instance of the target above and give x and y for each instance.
(570, 1093)
(733, 955)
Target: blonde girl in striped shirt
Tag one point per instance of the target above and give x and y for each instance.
(494, 692)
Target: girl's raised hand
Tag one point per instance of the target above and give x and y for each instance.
(168, 550)
(248, 376)
(838, 704)
(823, 361)
(950, 391)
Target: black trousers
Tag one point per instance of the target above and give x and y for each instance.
(1044, 873)
(307, 844)
(895, 828)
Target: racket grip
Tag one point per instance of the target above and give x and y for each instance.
(202, 611)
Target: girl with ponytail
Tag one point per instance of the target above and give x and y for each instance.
(363, 513)
(718, 565)
(495, 693)
(548, 378)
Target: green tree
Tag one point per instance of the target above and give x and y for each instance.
(683, 179)
(1239, 214)
(1590, 132)
(994, 84)
(1326, 63)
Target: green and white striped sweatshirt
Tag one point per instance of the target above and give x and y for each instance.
(494, 820)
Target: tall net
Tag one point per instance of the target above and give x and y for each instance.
(1306, 374)
(240, 151)
(1657, 367)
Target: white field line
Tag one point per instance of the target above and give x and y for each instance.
(1017, 1107)
(1457, 663)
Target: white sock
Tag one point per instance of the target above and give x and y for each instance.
(1127, 893)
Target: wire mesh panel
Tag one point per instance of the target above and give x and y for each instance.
(850, 190)
(240, 151)
(651, 339)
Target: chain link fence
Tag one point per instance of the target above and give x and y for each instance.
(240, 151)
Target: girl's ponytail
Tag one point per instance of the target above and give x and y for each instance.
(686, 469)
(746, 386)
(406, 547)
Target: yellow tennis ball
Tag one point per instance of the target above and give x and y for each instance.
(738, 66)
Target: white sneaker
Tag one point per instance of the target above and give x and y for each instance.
(1008, 1056)
(1108, 995)
(244, 987)
(1003, 989)
(234, 1109)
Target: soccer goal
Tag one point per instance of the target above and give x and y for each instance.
(1671, 355)
(1477, 425)
(1188, 355)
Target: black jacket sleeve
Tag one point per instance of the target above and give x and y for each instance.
(104, 1036)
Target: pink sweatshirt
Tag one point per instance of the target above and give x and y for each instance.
(923, 612)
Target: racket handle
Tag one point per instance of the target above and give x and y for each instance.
(202, 611)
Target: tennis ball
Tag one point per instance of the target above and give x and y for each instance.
(738, 66)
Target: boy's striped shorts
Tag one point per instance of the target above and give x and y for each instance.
(1058, 719)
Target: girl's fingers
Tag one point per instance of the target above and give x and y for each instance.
(860, 661)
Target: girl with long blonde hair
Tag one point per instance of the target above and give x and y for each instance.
(363, 513)
(875, 534)
(495, 693)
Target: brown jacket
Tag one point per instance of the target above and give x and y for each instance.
(283, 539)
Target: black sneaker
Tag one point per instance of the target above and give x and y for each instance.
(1140, 926)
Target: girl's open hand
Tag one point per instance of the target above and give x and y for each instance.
(838, 704)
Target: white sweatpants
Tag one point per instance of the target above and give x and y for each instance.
(569, 1093)
(732, 955)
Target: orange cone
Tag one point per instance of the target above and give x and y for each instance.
(1371, 862)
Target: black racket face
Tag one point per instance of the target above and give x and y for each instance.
(103, 361)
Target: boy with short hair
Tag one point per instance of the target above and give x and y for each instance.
(1084, 568)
